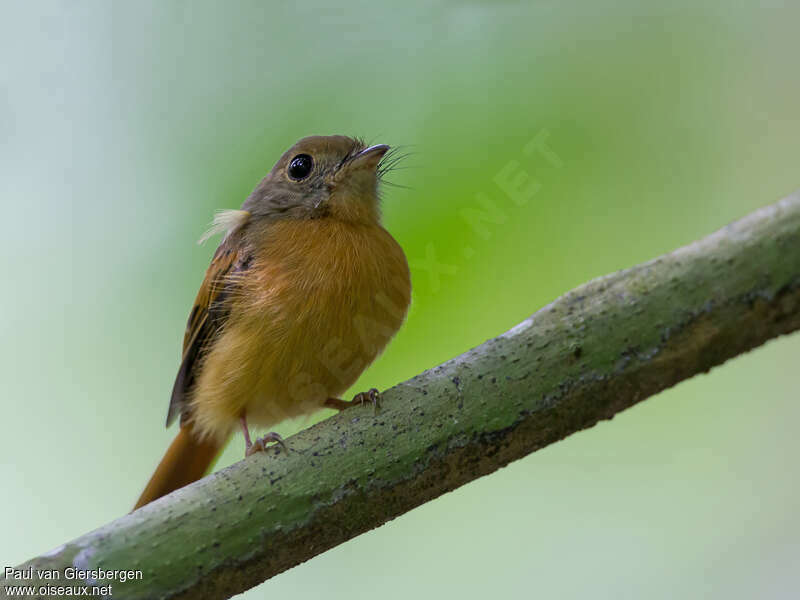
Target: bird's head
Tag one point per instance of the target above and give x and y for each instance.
(322, 176)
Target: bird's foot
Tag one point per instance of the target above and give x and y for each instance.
(372, 396)
(260, 445)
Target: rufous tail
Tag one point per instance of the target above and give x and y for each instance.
(185, 461)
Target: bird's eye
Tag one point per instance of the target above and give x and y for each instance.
(300, 167)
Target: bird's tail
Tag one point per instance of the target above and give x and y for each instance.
(185, 461)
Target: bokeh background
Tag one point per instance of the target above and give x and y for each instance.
(124, 125)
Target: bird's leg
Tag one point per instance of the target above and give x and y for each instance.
(260, 444)
(246, 431)
(372, 396)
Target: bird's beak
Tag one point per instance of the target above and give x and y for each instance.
(369, 157)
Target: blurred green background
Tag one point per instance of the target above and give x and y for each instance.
(123, 125)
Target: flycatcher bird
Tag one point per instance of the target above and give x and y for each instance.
(304, 291)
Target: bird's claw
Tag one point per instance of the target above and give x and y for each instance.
(372, 396)
(260, 445)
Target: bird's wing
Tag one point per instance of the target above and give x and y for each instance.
(209, 314)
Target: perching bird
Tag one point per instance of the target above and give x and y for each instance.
(304, 291)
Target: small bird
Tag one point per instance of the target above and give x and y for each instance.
(302, 294)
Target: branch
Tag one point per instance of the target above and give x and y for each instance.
(590, 354)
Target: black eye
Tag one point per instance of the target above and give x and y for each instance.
(300, 167)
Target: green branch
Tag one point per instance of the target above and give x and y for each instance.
(590, 354)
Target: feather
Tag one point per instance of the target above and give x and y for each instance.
(225, 221)
(207, 318)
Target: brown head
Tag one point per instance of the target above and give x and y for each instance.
(321, 176)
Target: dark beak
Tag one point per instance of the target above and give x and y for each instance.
(369, 157)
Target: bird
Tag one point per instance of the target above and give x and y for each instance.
(304, 291)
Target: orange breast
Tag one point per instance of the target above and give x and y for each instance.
(320, 302)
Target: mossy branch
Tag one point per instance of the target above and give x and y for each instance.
(590, 354)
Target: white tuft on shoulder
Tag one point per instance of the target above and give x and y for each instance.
(225, 221)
